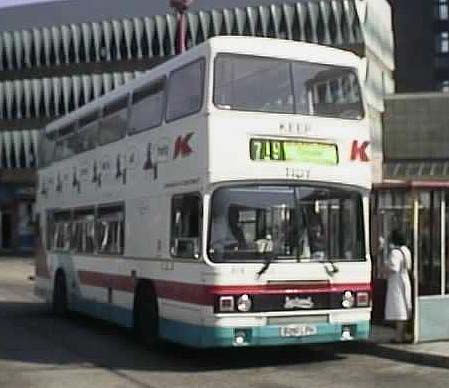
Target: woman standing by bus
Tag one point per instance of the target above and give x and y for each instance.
(398, 305)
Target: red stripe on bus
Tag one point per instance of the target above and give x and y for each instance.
(204, 294)
(104, 280)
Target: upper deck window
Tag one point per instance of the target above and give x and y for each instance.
(113, 124)
(281, 86)
(87, 132)
(65, 147)
(185, 91)
(46, 150)
(148, 107)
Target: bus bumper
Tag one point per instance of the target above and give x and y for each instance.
(207, 336)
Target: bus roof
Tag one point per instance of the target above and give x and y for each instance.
(253, 46)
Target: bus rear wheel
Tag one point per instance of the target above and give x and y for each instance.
(59, 304)
(146, 316)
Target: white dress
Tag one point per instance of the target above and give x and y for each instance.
(398, 304)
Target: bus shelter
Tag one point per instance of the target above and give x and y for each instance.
(420, 209)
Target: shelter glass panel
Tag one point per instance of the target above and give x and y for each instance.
(429, 243)
(446, 212)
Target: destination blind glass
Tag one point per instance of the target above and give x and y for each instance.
(293, 151)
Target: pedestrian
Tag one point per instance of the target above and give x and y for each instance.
(398, 304)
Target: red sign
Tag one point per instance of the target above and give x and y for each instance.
(359, 152)
(182, 146)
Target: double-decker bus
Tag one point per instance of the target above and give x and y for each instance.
(221, 199)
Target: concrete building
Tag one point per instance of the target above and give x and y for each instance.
(421, 26)
(57, 56)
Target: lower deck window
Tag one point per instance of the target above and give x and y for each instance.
(100, 230)
(110, 233)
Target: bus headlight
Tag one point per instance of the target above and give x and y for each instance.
(348, 300)
(244, 303)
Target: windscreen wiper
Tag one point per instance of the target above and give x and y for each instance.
(267, 264)
(265, 247)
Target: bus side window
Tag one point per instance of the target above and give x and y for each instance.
(147, 107)
(46, 150)
(65, 143)
(61, 241)
(87, 133)
(185, 91)
(89, 236)
(76, 240)
(114, 122)
(59, 231)
(83, 231)
(110, 232)
(50, 232)
(186, 226)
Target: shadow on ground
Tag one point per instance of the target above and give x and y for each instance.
(31, 335)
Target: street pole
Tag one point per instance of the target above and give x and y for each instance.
(181, 7)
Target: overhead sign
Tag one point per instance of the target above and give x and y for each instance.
(293, 151)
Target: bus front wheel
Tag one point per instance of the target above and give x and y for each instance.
(59, 304)
(146, 317)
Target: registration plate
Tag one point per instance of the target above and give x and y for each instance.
(297, 330)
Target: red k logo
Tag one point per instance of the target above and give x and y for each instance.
(182, 146)
(359, 152)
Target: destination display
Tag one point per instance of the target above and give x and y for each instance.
(293, 151)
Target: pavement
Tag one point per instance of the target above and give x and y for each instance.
(428, 353)
(38, 350)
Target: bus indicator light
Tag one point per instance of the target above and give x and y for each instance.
(362, 299)
(226, 303)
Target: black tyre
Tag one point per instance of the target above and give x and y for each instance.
(60, 295)
(146, 316)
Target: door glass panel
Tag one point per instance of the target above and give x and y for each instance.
(429, 243)
(395, 211)
(447, 241)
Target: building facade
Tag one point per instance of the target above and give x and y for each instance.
(421, 26)
(69, 53)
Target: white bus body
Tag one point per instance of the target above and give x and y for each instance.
(239, 218)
